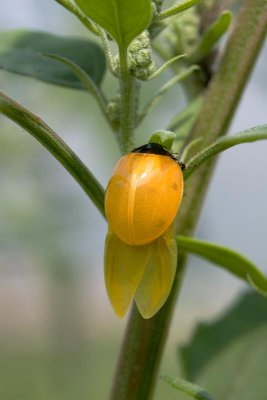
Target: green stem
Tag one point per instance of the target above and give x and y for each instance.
(127, 104)
(106, 47)
(142, 349)
(56, 146)
(166, 65)
(177, 9)
(187, 150)
(222, 144)
(144, 341)
(189, 388)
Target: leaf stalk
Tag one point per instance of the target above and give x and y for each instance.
(56, 146)
(126, 104)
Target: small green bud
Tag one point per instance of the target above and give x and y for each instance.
(113, 109)
(140, 57)
(143, 58)
(140, 62)
(164, 138)
(135, 46)
(144, 39)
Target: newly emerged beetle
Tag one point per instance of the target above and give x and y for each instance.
(144, 194)
(142, 199)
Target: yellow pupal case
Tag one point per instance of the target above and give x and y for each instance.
(145, 273)
(157, 280)
(124, 268)
(143, 197)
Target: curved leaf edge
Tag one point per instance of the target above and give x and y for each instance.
(248, 136)
(226, 258)
(56, 146)
(22, 69)
(189, 388)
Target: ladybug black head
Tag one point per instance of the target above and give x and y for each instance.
(153, 148)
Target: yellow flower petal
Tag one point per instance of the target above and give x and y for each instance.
(124, 267)
(157, 280)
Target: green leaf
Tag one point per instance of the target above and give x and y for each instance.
(229, 355)
(189, 388)
(22, 51)
(226, 258)
(122, 19)
(247, 136)
(178, 8)
(211, 37)
(55, 145)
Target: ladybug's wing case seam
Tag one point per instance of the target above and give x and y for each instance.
(133, 185)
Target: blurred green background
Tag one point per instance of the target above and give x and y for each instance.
(59, 338)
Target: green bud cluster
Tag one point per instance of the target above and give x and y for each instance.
(183, 32)
(140, 60)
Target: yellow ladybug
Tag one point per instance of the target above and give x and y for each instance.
(142, 199)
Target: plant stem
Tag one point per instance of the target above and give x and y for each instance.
(106, 48)
(222, 144)
(142, 349)
(127, 104)
(56, 146)
(177, 9)
(144, 341)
